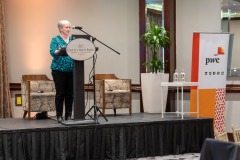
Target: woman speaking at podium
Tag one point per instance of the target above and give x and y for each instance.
(62, 71)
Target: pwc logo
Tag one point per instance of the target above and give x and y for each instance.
(215, 60)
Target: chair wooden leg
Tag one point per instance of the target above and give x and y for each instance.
(29, 100)
(130, 111)
(114, 109)
(29, 115)
(103, 110)
(24, 114)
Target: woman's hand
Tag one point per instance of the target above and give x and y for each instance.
(58, 51)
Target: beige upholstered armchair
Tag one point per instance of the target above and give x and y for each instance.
(221, 136)
(38, 94)
(236, 134)
(112, 92)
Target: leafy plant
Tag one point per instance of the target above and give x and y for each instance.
(155, 38)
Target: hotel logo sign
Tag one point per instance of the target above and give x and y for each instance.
(80, 49)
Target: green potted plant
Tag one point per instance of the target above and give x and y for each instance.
(155, 38)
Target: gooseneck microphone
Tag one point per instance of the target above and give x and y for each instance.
(77, 27)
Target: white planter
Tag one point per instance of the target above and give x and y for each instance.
(151, 92)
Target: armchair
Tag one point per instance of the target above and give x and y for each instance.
(236, 134)
(38, 94)
(221, 136)
(113, 93)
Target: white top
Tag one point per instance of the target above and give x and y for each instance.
(179, 84)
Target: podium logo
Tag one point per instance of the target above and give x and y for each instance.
(80, 45)
(215, 60)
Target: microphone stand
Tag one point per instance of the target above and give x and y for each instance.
(80, 28)
(96, 109)
(94, 106)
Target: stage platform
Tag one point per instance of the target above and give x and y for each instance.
(121, 137)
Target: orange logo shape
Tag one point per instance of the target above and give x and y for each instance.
(220, 51)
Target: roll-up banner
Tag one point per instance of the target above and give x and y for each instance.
(209, 69)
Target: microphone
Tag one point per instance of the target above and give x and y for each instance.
(77, 27)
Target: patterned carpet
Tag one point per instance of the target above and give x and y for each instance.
(188, 156)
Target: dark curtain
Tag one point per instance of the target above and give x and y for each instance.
(106, 142)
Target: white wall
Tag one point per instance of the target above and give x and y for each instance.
(194, 16)
(31, 24)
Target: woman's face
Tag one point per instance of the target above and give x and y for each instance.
(66, 29)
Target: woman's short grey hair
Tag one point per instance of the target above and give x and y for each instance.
(62, 23)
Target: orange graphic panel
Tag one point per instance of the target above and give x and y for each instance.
(206, 102)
